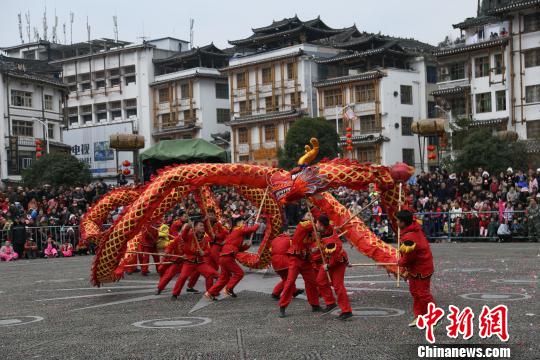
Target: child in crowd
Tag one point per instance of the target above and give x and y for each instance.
(7, 253)
(30, 249)
(66, 249)
(50, 250)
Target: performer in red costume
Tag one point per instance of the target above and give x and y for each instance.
(417, 259)
(335, 264)
(196, 243)
(148, 244)
(218, 232)
(231, 272)
(300, 263)
(280, 263)
(169, 271)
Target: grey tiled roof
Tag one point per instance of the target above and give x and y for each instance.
(472, 47)
(350, 78)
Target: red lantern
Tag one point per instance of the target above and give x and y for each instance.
(349, 129)
(443, 145)
(349, 148)
(431, 147)
(126, 163)
(432, 156)
(126, 171)
(401, 172)
(38, 155)
(349, 135)
(39, 148)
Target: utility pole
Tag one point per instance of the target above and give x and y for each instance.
(28, 26)
(19, 16)
(71, 17)
(191, 23)
(45, 27)
(115, 22)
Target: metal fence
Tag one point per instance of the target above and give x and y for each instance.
(60, 234)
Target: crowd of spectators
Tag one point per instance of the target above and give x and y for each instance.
(44, 221)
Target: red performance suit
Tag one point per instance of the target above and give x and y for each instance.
(175, 227)
(336, 259)
(299, 263)
(148, 244)
(231, 272)
(194, 262)
(169, 271)
(416, 258)
(280, 261)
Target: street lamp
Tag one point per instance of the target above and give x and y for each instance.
(46, 124)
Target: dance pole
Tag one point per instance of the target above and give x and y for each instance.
(157, 254)
(374, 264)
(357, 213)
(259, 212)
(399, 235)
(318, 240)
(150, 264)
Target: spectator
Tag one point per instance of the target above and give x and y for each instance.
(66, 249)
(259, 234)
(30, 249)
(50, 250)
(7, 253)
(504, 232)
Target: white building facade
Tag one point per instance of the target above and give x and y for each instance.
(491, 76)
(31, 99)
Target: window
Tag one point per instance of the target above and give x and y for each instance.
(243, 158)
(100, 84)
(269, 133)
(531, 22)
(184, 91)
(70, 79)
(532, 93)
(406, 123)
(369, 124)
(30, 54)
(244, 110)
(367, 154)
(291, 73)
(533, 129)
(86, 109)
(87, 118)
(364, 93)
(130, 103)
(431, 74)
(241, 80)
(242, 135)
(222, 91)
(72, 88)
(499, 64)
(267, 75)
(458, 106)
(115, 82)
(21, 98)
(73, 117)
(114, 72)
(25, 159)
(189, 115)
(333, 97)
(129, 69)
(483, 102)
(456, 71)
(223, 116)
(86, 86)
(99, 75)
(295, 100)
(168, 120)
(268, 103)
(481, 66)
(116, 110)
(500, 97)
(101, 116)
(48, 102)
(84, 77)
(131, 112)
(532, 57)
(50, 129)
(23, 128)
(130, 79)
(408, 156)
(163, 95)
(406, 94)
(431, 109)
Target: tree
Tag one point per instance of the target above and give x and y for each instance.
(298, 136)
(481, 149)
(57, 170)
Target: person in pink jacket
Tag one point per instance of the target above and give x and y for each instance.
(66, 249)
(7, 253)
(50, 251)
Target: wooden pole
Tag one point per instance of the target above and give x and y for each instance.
(157, 254)
(259, 212)
(318, 241)
(357, 213)
(150, 264)
(374, 264)
(399, 235)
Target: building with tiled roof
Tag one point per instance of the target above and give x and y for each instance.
(491, 75)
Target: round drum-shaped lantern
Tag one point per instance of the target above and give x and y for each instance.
(126, 163)
(126, 171)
